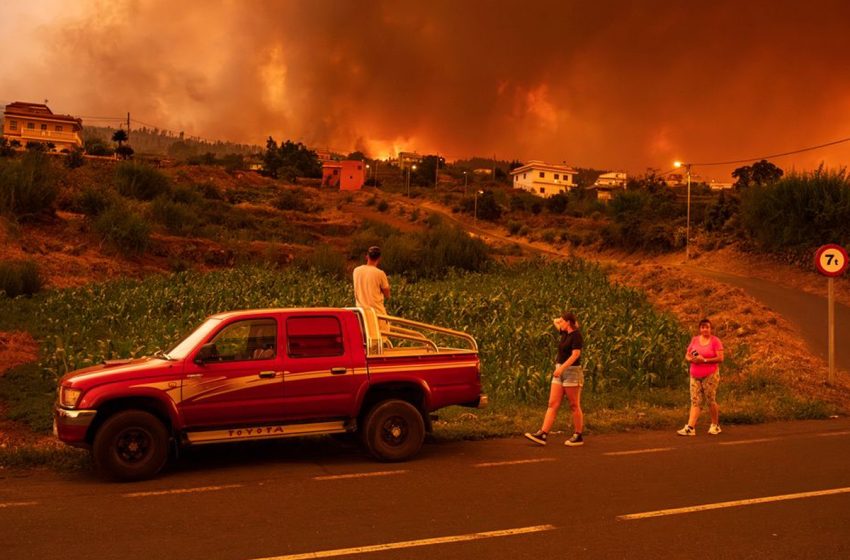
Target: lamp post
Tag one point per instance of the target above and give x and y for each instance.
(687, 167)
(367, 171)
(412, 167)
(475, 206)
(464, 184)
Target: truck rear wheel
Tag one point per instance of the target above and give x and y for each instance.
(130, 445)
(394, 430)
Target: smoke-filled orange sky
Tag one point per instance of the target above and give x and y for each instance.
(610, 85)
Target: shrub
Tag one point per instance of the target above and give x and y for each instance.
(28, 186)
(177, 217)
(799, 211)
(293, 199)
(383, 206)
(514, 227)
(140, 181)
(19, 278)
(325, 260)
(97, 147)
(124, 229)
(75, 159)
(94, 200)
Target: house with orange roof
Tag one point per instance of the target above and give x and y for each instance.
(35, 122)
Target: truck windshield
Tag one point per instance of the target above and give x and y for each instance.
(190, 342)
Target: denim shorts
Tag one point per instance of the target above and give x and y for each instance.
(573, 376)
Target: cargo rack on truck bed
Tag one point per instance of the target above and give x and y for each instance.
(389, 335)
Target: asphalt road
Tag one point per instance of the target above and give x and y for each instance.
(501, 499)
(807, 311)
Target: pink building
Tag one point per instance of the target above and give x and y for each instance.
(346, 175)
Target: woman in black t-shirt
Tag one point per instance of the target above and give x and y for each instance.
(567, 380)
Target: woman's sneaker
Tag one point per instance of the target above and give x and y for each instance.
(574, 441)
(538, 437)
(687, 431)
(714, 429)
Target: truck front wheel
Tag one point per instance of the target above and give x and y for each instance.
(130, 445)
(394, 431)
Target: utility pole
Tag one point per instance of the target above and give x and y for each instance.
(437, 172)
(128, 127)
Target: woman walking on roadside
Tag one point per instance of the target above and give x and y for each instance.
(567, 379)
(704, 353)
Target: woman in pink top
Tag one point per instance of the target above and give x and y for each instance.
(704, 353)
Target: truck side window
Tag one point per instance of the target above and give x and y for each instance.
(254, 339)
(314, 337)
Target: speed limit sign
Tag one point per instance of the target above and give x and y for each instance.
(831, 260)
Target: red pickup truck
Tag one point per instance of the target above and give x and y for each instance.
(271, 373)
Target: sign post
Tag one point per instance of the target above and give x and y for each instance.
(831, 261)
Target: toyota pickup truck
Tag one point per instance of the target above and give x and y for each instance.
(271, 373)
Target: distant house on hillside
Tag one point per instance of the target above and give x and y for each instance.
(408, 159)
(544, 179)
(35, 122)
(346, 175)
(609, 183)
(720, 186)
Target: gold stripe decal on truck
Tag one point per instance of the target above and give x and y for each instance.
(265, 432)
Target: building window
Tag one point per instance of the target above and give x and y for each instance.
(359, 167)
(44, 127)
(58, 128)
(31, 125)
(523, 175)
(542, 174)
(336, 171)
(542, 190)
(13, 125)
(557, 176)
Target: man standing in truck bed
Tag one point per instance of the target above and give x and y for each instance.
(371, 286)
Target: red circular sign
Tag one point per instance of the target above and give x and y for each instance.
(831, 260)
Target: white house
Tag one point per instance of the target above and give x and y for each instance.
(544, 179)
(613, 179)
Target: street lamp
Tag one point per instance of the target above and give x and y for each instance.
(367, 172)
(687, 167)
(412, 167)
(475, 206)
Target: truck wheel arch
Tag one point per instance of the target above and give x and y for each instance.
(151, 405)
(416, 394)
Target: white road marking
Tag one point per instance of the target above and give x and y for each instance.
(637, 451)
(746, 441)
(17, 504)
(180, 491)
(735, 503)
(358, 475)
(411, 544)
(828, 434)
(519, 462)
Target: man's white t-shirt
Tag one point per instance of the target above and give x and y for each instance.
(368, 283)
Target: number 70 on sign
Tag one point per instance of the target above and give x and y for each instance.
(831, 260)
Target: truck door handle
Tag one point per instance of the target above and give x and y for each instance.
(267, 374)
(338, 370)
(194, 375)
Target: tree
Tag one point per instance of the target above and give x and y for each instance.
(426, 170)
(124, 152)
(290, 160)
(6, 148)
(120, 136)
(357, 155)
(75, 159)
(760, 173)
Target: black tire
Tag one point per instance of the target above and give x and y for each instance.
(393, 431)
(130, 445)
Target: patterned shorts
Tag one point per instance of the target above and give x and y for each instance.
(704, 390)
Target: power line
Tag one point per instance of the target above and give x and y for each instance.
(792, 152)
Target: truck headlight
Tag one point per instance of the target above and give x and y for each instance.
(68, 397)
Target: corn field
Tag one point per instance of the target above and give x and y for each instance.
(509, 311)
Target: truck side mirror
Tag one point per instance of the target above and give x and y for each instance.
(207, 353)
